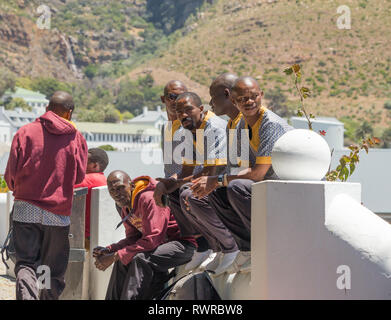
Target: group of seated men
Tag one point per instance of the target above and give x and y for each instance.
(199, 214)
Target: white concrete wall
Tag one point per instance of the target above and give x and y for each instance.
(303, 231)
(3, 217)
(9, 205)
(334, 130)
(104, 219)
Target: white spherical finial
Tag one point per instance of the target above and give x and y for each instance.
(301, 154)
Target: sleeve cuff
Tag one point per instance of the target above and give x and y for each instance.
(263, 160)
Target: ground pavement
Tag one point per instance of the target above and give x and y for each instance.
(7, 284)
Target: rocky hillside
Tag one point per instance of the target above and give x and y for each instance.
(347, 70)
(85, 33)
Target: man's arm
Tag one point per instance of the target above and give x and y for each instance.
(153, 223)
(132, 235)
(12, 163)
(81, 160)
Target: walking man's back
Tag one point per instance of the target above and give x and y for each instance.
(47, 158)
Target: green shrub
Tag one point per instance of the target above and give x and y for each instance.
(387, 105)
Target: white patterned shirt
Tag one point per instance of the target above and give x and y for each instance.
(28, 213)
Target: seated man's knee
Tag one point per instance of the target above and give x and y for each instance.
(237, 189)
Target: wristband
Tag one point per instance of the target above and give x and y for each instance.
(220, 180)
(225, 180)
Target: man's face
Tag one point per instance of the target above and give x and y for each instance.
(188, 113)
(220, 101)
(173, 91)
(92, 167)
(120, 190)
(247, 97)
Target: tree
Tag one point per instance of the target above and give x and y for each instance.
(364, 130)
(17, 103)
(129, 98)
(386, 138)
(127, 115)
(91, 71)
(277, 102)
(387, 105)
(107, 147)
(85, 115)
(48, 86)
(7, 81)
(110, 114)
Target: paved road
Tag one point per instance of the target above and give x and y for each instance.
(7, 284)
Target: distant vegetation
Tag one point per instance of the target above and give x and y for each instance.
(98, 100)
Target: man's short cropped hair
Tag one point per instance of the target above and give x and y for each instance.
(195, 98)
(99, 156)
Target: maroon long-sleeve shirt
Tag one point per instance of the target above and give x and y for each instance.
(47, 158)
(148, 227)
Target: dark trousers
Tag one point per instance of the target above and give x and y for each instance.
(146, 274)
(233, 206)
(38, 245)
(186, 222)
(205, 219)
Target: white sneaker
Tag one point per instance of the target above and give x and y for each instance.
(197, 259)
(243, 259)
(226, 261)
(212, 262)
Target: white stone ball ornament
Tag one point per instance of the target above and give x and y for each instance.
(301, 154)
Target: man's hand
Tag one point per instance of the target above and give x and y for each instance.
(98, 251)
(106, 260)
(170, 184)
(160, 190)
(203, 186)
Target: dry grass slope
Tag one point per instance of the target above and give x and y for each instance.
(347, 70)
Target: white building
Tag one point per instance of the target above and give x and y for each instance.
(5, 132)
(151, 118)
(18, 118)
(334, 129)
(36, 100)
(122, 136)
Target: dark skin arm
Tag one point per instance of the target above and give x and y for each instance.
(105, 260)
(203, 186)
(167, 186)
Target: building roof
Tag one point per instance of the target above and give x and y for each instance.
(18, 117)
(150, 116)
(326, 120)
(116, 128)
(27, 95)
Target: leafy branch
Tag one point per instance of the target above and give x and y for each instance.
(347, 164)
(304, 92)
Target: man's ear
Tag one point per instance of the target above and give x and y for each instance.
(261, 94)
(69, 115)
(202, 108)
(227, 92)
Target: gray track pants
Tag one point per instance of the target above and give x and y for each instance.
(146, 274)
(36, 245)
(232, 204)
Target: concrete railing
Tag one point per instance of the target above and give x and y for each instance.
(314, 240)
(310, 240)
(104, 219)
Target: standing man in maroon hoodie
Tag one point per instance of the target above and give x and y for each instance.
(47, 158)
(152, 245)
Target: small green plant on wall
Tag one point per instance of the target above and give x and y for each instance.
(3, 185)
(347, 164)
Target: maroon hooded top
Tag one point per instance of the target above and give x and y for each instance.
(148, 227)
(47, 158)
